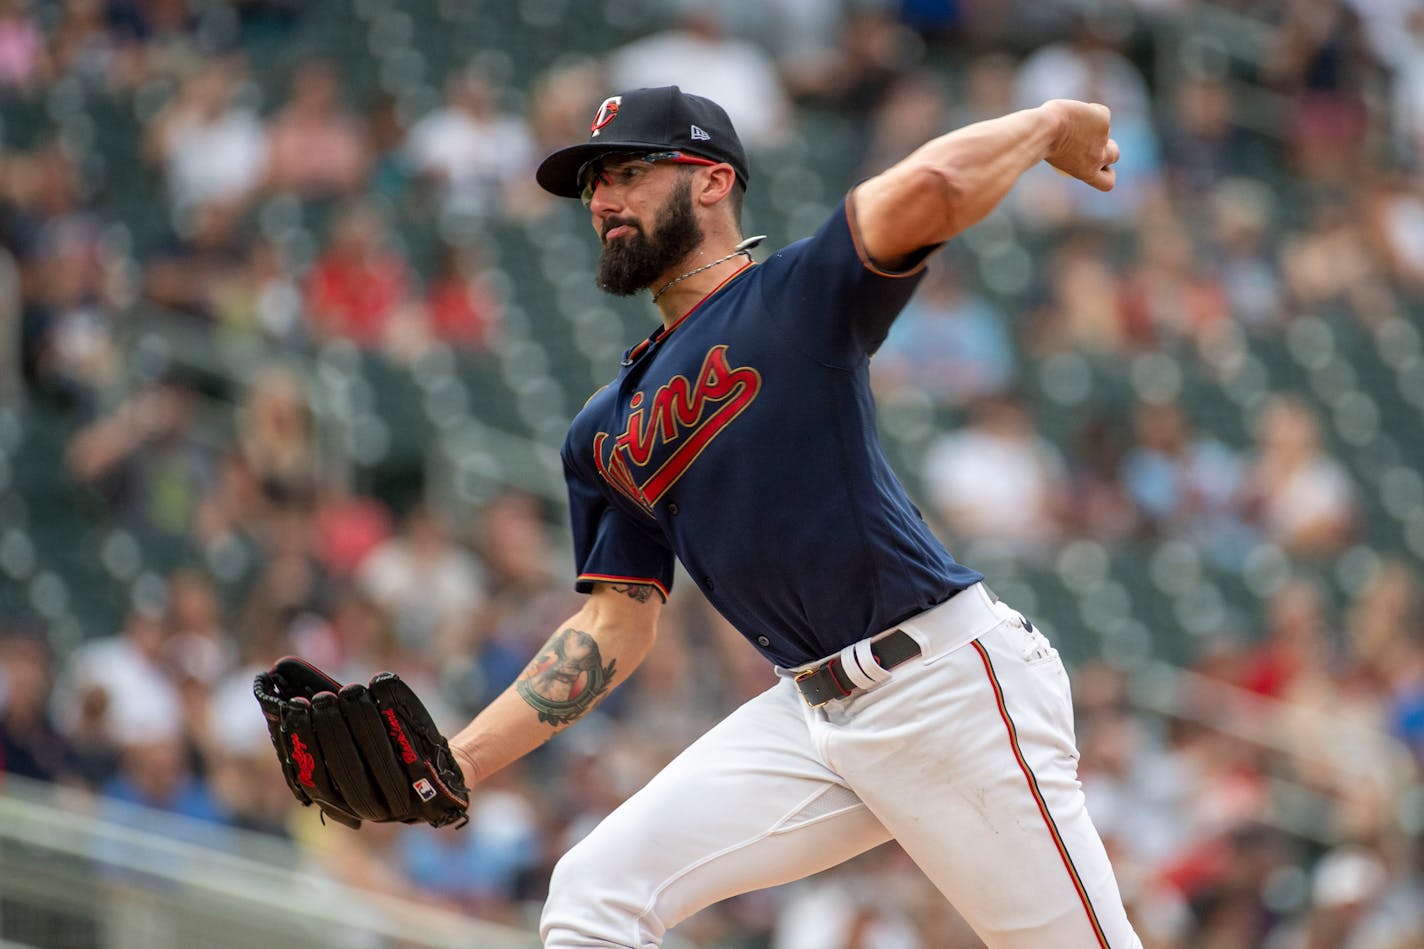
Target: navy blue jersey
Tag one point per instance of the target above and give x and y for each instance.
(742, 441)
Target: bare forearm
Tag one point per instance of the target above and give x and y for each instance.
(974, 168)
(952, 182)
(571, 674)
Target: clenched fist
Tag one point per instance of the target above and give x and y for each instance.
(1082, 148)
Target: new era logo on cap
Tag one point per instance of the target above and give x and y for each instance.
(700, 136)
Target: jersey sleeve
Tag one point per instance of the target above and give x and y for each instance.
(610, 546)
(833, 300)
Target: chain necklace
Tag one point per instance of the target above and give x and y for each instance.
(743, 248)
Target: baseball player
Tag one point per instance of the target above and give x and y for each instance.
(739, 438)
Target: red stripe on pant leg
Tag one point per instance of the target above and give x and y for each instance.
(1038, 797)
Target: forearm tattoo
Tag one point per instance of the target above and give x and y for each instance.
(641, 592)
(567, 678)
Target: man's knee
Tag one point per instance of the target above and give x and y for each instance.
(597, 900)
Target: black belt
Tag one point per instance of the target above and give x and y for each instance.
(820, 684)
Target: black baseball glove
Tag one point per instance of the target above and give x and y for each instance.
(360, 752)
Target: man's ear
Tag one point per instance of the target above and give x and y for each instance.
(721, 179)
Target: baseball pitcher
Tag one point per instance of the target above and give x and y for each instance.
(739, 438)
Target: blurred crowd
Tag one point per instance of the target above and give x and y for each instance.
(1271, 180)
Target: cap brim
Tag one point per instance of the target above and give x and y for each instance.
(558, 174)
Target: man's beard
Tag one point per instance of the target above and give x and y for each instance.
(632, 263)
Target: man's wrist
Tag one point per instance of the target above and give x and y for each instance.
(465, 758)
(1054, 118)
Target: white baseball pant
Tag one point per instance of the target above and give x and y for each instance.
(965, 755)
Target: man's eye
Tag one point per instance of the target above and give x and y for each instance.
(628, 173)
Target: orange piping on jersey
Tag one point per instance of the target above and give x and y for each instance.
(638, 350)
(860, 251)
(1038, 798)
(636, 581)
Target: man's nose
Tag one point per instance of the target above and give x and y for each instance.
(606, 198)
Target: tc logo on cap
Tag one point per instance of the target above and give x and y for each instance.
(605, 113)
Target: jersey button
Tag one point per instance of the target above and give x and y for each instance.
(764, 641)
(672, 508)
(707, 582)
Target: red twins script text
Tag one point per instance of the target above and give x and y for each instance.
(681, 412)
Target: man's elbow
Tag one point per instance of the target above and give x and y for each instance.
(912, 207)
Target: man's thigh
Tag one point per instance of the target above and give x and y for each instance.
(969, 761)
(747, 806)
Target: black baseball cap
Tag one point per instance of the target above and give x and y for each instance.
(646, 120)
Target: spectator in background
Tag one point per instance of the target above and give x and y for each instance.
(290, 595)
(317, 148)
(24, 57)
(469, 149)
(198, 645)
(952, 345)
(1184, 484)
(86, 48)
(155, 773)
(872, 50)
(697, 54)
(114, 690)
(212, 147)
(1141, 795)
(1408, 91)
(989, 89)
(996, 480)
(424, 580)
(348, 525)
(1203, 140)
(511, 536)
(1299, 495)
(876, 901)
(1084, 309)
(560, 100)
(461, 307)
(166, 32)
(915, 109)
(1240, 216)
(1332, 731)
(146, 460)
(199, 263)
(1319, 57)
(1329, 264)
(1168, 296)
(480, 869)
(262, 298)
(1357, 899)
(1386, 635)
(277, 438)
(1395, 224)
(1098, 505)
(359, 288)
(68, 320)
(1295, 654)
(386, 128)
(237, 753)
(30, 744)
